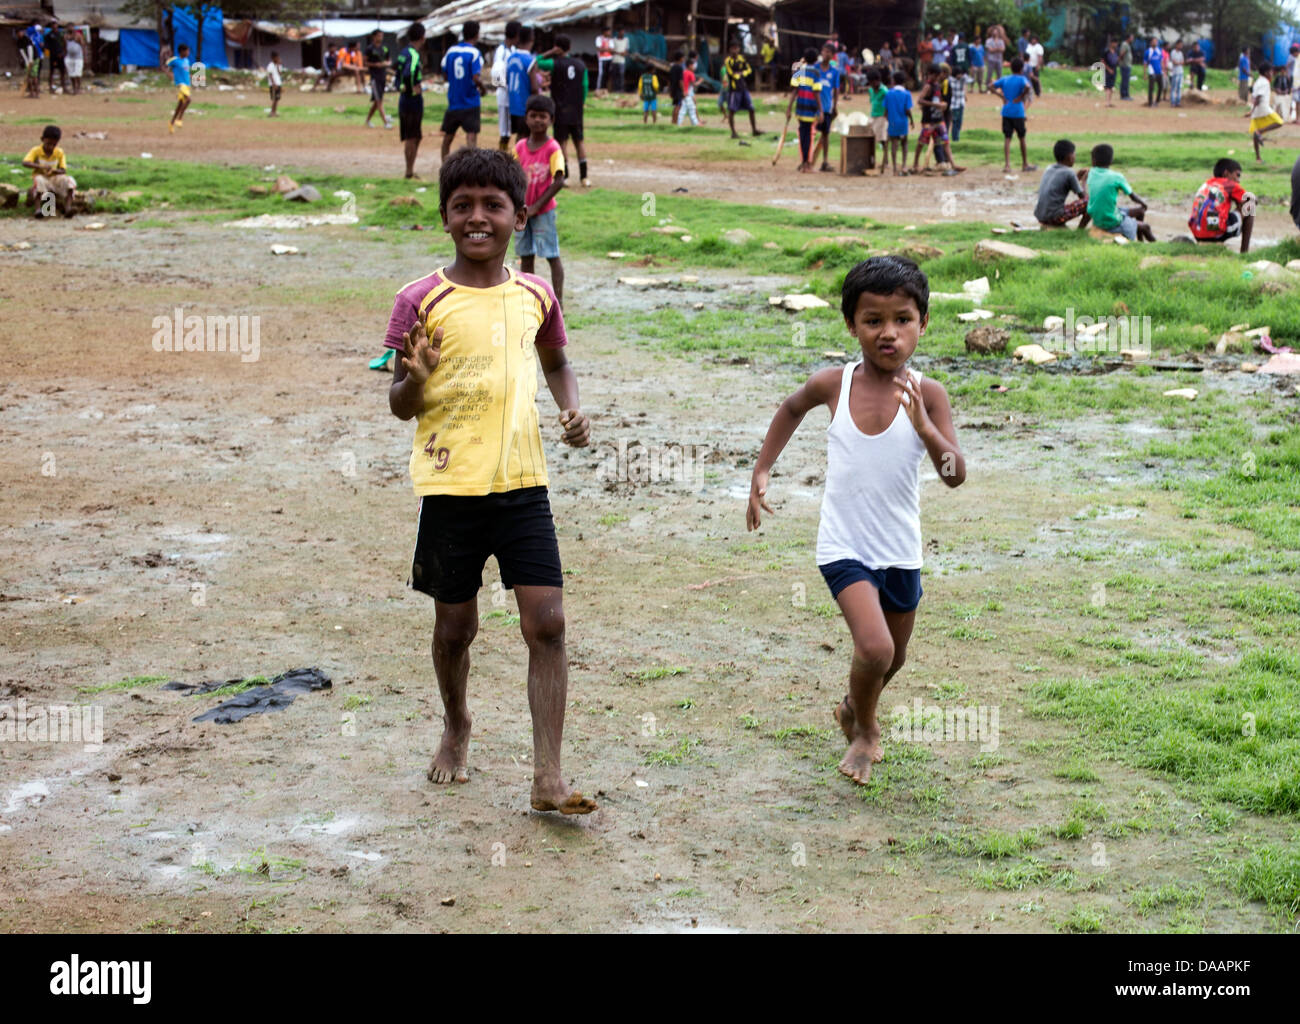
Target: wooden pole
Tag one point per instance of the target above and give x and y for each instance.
(831, 30)
(726, 26)
(695, 9)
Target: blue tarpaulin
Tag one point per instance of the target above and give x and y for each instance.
(1277, 45)
(140, 46)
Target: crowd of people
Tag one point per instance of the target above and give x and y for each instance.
(54, 49)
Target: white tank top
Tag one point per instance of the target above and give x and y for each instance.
(871, 511)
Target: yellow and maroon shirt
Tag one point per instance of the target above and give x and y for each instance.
(478, 433)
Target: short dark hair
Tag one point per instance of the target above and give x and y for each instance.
(525, 34)
(563, 43)
(274, 54)
(678, 55)
(809, 55)
(1225, 167)
(469, 31)
(540, 101)
(416, 32)
(52, 131)
(1264, 66)
(1062, 149)
(512, 29)
(484, 168)
(1017, 65)
(377, 32)
(733, 43)
(183, 48)
(931, 69)
(884, 275)
(900, 78)
(873, 76)
(1102, 154)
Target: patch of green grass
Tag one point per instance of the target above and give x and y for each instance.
(1271, 874)
(992, 845)
(672, 756)
(230, 690)
(612, 519)
(1083, 920)
(130, 683)
(356, 701)
(1144, 901)
(646, 675)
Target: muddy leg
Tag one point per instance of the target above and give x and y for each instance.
(454, 628)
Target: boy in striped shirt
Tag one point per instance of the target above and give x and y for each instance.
(805, 102)
(469, 339)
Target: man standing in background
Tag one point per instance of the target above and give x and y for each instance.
(619, 46)
(604, 54)
(500, 59)
(1125, 66)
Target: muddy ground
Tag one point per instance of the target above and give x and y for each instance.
(197, 517)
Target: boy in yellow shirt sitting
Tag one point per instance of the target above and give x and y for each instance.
(469, 338)
(53, 187)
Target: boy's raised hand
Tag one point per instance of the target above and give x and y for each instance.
(758, 500)
(909, 394)
(420, 353)
(577, 428)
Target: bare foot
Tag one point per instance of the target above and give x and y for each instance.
(449, 763)
(559, 797)
(844, 715)
(857, 762)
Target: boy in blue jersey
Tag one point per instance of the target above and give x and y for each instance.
(1243, 75)
(180, 69)
(462, 65)
(519, 82)
(1155, 73)
(1017, 93)
(828, 71)
(898, 113)
(886, 418)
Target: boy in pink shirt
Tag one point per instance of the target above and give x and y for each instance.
(543, 162)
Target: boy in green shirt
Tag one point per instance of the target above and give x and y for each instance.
(879, 121)
(1104, 188)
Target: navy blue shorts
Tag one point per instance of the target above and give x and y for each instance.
(900, 589)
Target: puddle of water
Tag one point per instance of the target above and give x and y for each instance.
(365, 854)
(29, 794)
(330, 828)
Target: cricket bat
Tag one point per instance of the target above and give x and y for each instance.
(784, 131)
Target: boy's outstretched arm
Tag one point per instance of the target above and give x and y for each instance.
(816, 390)
(928, 409)
(564, 389)
(411, 369)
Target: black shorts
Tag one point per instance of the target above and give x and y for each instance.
(565, 130)
(377, 84)
(468, 119)
(275, 92)
(676, 95)
(410, 117)
(1013, 126)
(1110, 78)
(519, 125)
(457, 534)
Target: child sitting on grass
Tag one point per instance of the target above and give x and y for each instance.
(1213, 219)
(1104, 188)
(885, 418)
(1055, 209)
(469, 338)
(53, 188)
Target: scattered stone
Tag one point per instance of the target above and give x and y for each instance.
(639, 282)
(1103, 236)
(16, 246)
(96, 225)
(285, 184)
(976, 314)
(340, 110)
(258, 190)
(1035, 354)
(284, 250)
(737, 236)
(449, 901)
(833, 240)
(406, 201)
(92, 135)
(918, 252)
(684, 238)
(1230, 339)
(669, 229)
(1293, 265)
(1151, 262)
(976, 289)
(9, 195)
(1133, 355)
(770, 245)
(689, 279)
(1249, 367)
(1053, 323)
(797, 303)
(615, 255)
(986, 340)
(993, 249)
(304, 194)
(1188, 393)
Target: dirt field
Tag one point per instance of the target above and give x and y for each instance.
(197, 517)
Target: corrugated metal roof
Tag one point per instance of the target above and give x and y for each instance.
(492, 15)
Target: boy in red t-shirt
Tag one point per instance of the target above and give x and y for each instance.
(543, 162)
(1213, 219)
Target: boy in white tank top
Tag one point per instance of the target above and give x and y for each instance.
(884, 420)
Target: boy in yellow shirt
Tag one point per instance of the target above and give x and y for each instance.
(469, 338)
(50, 177)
